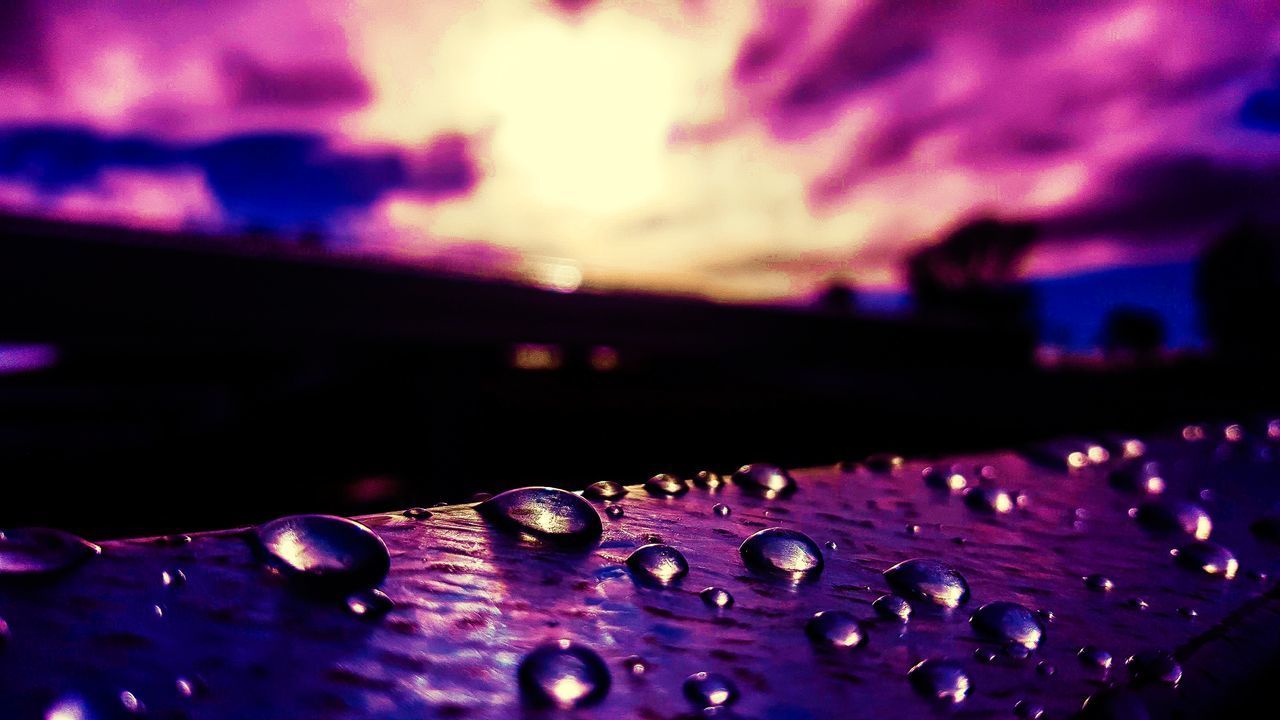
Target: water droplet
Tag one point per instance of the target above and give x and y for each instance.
(1208, 557)
(36, 551)
(370, 604)
(1174, 516)
(787, 553)
(988, 499)
(173, 578)
(1008, 622)
(831, 545)
(1137, 476)
(1046, 668)
(605, 490)
(659, 564)
(1114, 704)
(324, 551)
(1138, 603)
(912, 529)
(892, 607)
(708, 480)
(943, 680)
(883, 463)
(769, 481)
(722, 510)
(614, 512)
(544, 513)
(927, 579)
(717, 598)
(563, 674)
(1154, 666)
(113, 705)
(664, 485)
(189, 687)
(1095, 656)
(417, 513)
(635, 665)
(1188, 612)
(710, 690)
(1099, 583)
(5, 632)
(940, 478)
(984, 655)
(1028, 710)
(835, 628)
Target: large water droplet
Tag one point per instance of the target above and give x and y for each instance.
(1174, 516)
(665, 485)
(324, 551)
(369, 604)
(545, 514)
(943, 680)
(1095, 656)
(563, 674)
(892, 607)
(36, 551)
(1154, 666)
(1008, 622)
(717, 598)
(1137, 476)
(787, 553)
(1099, 583)
(657, 563)
(769, 481)
(1208, 557)
(926, 579)
(710, 690)
(605, 490)
(988, 499)
(835, 628)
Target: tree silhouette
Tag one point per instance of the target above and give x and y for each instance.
(1238, 281)
(1131, 333)
(973, 273)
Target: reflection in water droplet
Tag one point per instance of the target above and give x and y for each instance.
(324, 551)
(605, 490)
(709, 480)
(1008, 622)
(892, 607)
(717, 598)
(1137, 476)
(189, 687)
(1154, 666)
(635, 665)
(988, 499)
(912, 529)
(417, 513)
(1174, 516)
(1208, 557)
(927, 579)
(664, 485)
(1099, 583)
(614, 512)
(722, 510)
(943, 680)
(1095, 656)
(563, 674)
(36, 551)
(941, 478)
(369, 604)
(173, 578)
(658, 564)
(769, 481)
(835, 628)
(1028, 709)
(710, 690)
(545, 514)
(786, 553)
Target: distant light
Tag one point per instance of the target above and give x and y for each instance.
(558, 276)
(1098, 454)
(26, 358)
(1233, 433)
(1193, 433)
(534, 356)
(604, 358)
(1077, 460)
(1134, 449)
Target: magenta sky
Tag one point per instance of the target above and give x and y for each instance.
(711, 146)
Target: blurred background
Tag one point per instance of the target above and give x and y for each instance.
(340, 255)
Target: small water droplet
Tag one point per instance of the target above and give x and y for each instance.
(369, 604)
(417, 513)
(835, 628)
(787, 553)
(984, 655)
(892, 607)
(544, 513)
(564, 675)
(173, 578)
(1154, 666)
(710, 690)
(1008, 622)
(912, 529)
(1208, 557)
(717, 598)
(605, 490)
(131, 703)
(1095, 657)
(722, 510)
(1028, 710)
(635, 665)
(883, 463)
(941, 478)
(988, 499)
(831, 545)
(37, 551)
(768, 481)
(1138, 603)
(927, 579)
(942, 680)
(658, 564)
(1099, 583)
(1165, 516)
(323, 551)
(1046, 668)
(708, 480)
(664, 485)
(614, 512)
(1137, 476)
(189, 688)
(1188, 612)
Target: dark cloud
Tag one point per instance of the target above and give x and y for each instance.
(284, 180)
(299, 87)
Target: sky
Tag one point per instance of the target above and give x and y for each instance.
(727, 148)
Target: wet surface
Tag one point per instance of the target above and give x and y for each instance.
(476, 606)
